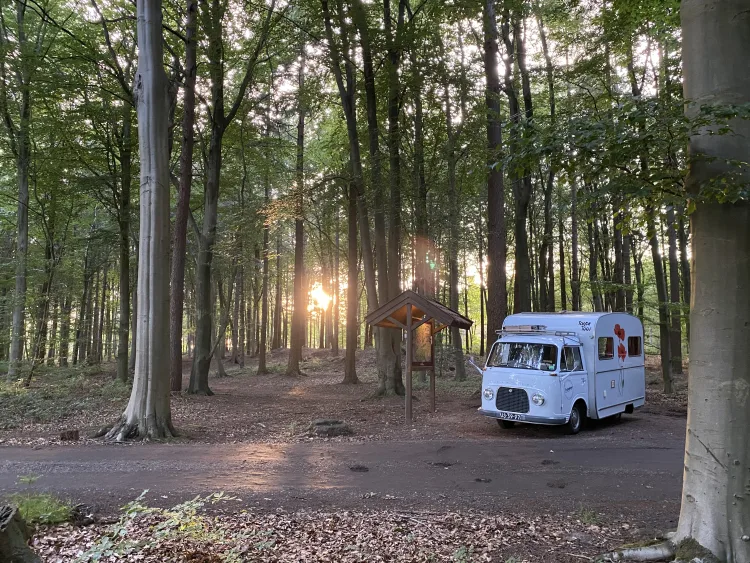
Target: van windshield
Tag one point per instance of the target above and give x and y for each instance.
(523, 355)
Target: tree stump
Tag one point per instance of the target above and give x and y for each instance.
(14, 536)
(329, 428)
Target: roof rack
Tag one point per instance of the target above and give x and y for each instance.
(534, 329)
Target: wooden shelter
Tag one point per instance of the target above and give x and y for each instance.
(421, 318)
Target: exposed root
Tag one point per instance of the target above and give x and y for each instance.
(123, 431)
(202, 392)
(658, 552)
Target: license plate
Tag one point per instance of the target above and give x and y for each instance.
(510, 416)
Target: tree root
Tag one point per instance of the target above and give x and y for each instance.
(123, 431)
(658, 552)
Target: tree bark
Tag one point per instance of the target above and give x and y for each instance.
(123, 225)
(716, 62)
(297, 336)
(65, 331)
(675, 315)
(665, 343)
(14, 537)
(179, 238)
(350, 369)
(575, 274)
(276, 341)
(148, 413)
(497, 294)
(684, 268)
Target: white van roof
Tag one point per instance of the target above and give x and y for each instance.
(563, 321)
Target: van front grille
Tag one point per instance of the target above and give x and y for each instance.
(510, 399)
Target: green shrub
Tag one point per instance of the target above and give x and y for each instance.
(42, 508)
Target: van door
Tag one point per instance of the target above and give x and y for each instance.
(573, 377)
(610, 378)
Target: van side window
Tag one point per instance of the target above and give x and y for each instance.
(606, 348)
(634, 345)
(571, 359)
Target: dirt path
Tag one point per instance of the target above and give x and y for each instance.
(639, 478)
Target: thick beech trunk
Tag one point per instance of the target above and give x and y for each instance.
(148, 414)
(716, 55)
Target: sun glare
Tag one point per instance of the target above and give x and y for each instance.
(320, 298)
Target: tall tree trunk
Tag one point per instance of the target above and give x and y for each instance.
(716, 62)
(148, 414)
(235, 359)
(262, 368)
(663, 298)
(336, 288)
(276, 341)
(240, 316)
(53, 334)
(100, 333)
(628, 279)
(684, 268)
(65, 331)
(497, 295)
(179, 236)
(297, 336)
(21, 145)
(575, 273)
(123, 225)
(350, 369)
(455, 212)
(675, 314)
(134, 318)
(593, 272)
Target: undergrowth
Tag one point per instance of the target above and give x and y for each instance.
(41, 508)
(57, 393)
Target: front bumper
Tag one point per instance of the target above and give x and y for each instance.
(551, 420)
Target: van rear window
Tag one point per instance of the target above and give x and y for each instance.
(634, 346)
(606, 348)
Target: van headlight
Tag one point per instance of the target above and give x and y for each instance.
(488, 394)
(537, 399)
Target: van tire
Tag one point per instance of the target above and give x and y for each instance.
(575, 422)
(506, 424)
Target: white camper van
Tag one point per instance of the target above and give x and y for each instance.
(559, 368)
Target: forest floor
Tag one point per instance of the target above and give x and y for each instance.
(453, 487)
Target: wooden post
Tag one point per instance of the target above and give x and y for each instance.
(408, 363)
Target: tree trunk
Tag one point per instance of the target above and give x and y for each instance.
(22, 143)
(336, 288)
(262, 368)
(593, 272)
(716, 62)
(53, 334)
(148, 414)
(350, 369)
(575, 274)
(123, 225)
(179, 238)
(14, 537)
(297, 336)
(65, 331)
(674, 294)
(276, 341)
(661, 293)
(684, 269)
(134, 319)
(497, 249)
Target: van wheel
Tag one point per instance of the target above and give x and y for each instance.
(575, 422)
(507, 424)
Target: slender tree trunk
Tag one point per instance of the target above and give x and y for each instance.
(336, 288)
(179, 236)
(497, 295)
(662, 296)
(53, 334)
(276, 342)
(240, 316)
(22, 142)
(674, 294)
(262, 368)
(297, 337)
(575, 274)
(100, 334)
(65, 331)
(350, 370)
(148, 414)
(593, 269)
(684, 268)
(628, 279)
(235, 359)
(134, 319)
(123, 224)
